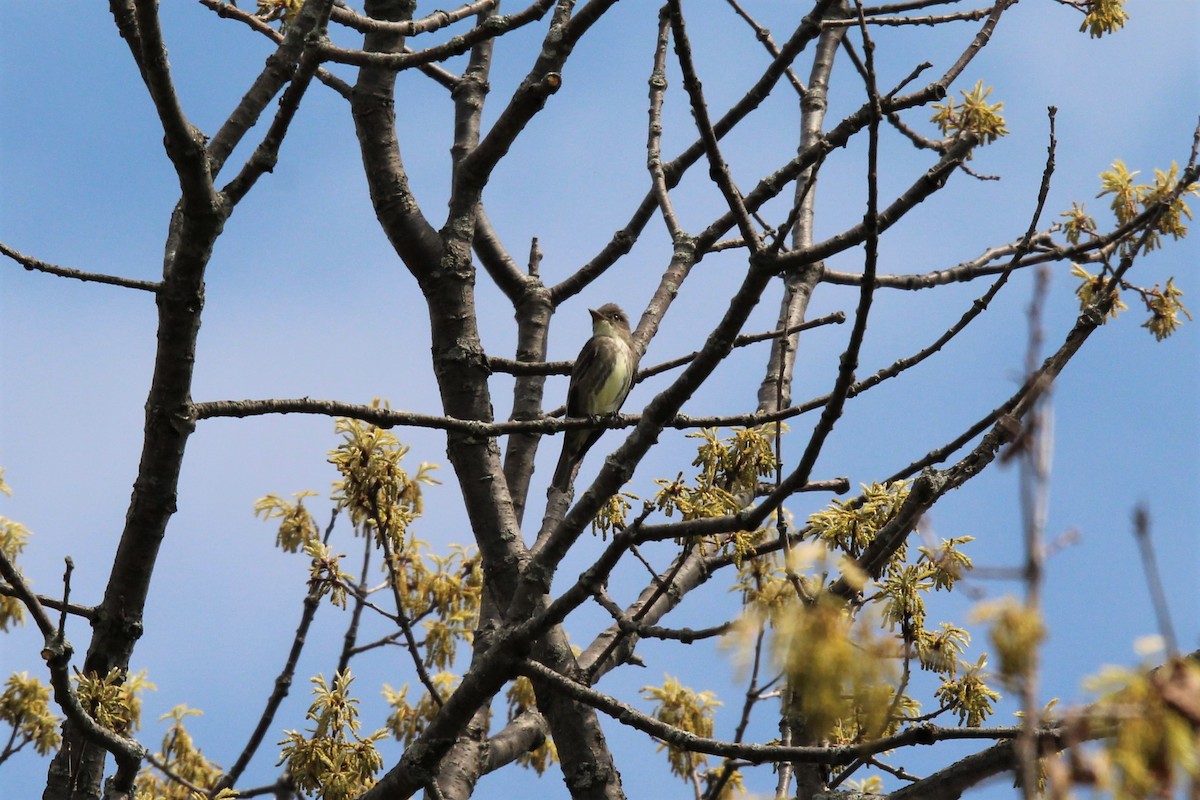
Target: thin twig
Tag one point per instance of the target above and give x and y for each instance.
(752, 696)
(410, 641)
(57, 652)
(629, 624)
(265, 156)
(86, 612)
(456, 45)
(760, 754)
(654, 162)
(985, 264)
(34, 265)
(911, 5)
(717, 167)
(512, 367)
(283, 684)
(62, 617)
(1141, 532)
(930, 20)
(836, 318)
(174, 777)
(350, 637)
(899, 772)
(768, 42)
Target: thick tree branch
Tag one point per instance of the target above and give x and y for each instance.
(280, 67)
(184, 144)
(775, 391)
(266, 155)
(526, 732)
(197, 221)
(373, 108)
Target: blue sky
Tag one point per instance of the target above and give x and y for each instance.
(304, 297)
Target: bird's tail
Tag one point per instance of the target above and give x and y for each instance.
(575, 444)
(564, 472)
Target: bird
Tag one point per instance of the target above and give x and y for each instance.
(600, 381)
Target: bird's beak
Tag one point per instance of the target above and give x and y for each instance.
(596, 315)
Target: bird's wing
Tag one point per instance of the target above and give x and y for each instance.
(591, 369)
(586, 364)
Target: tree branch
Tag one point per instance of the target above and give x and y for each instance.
(374, 59)
(925, 734)
(34, 265)
(266, 155)
(280, 67)
(433, 22)
(57, 652)
(184, 144)
(717, 168)
(623, 240)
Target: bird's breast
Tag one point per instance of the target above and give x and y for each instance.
(616, 363)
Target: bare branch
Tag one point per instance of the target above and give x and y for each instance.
(265, 156)
(654, 162)
(836, 318)
(985, 264)
(526, 732)
(775, 389)
(930, 20)
(225, 9)
(280, 67)
(499, 264)
(84, 612)
(683, 635)
(1162, 611)
(768, 42)
(433, 22)
(930, 182)
(753, 753)
(57, 652)
(512, 367)
(494, 26)
(283, 685)
(718, 169)
(623, 240)
(183, 142)
(911, 5)
(871, 227)
(34, 265)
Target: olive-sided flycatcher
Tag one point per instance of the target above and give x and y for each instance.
(600, 382)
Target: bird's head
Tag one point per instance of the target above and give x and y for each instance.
(608, 319)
